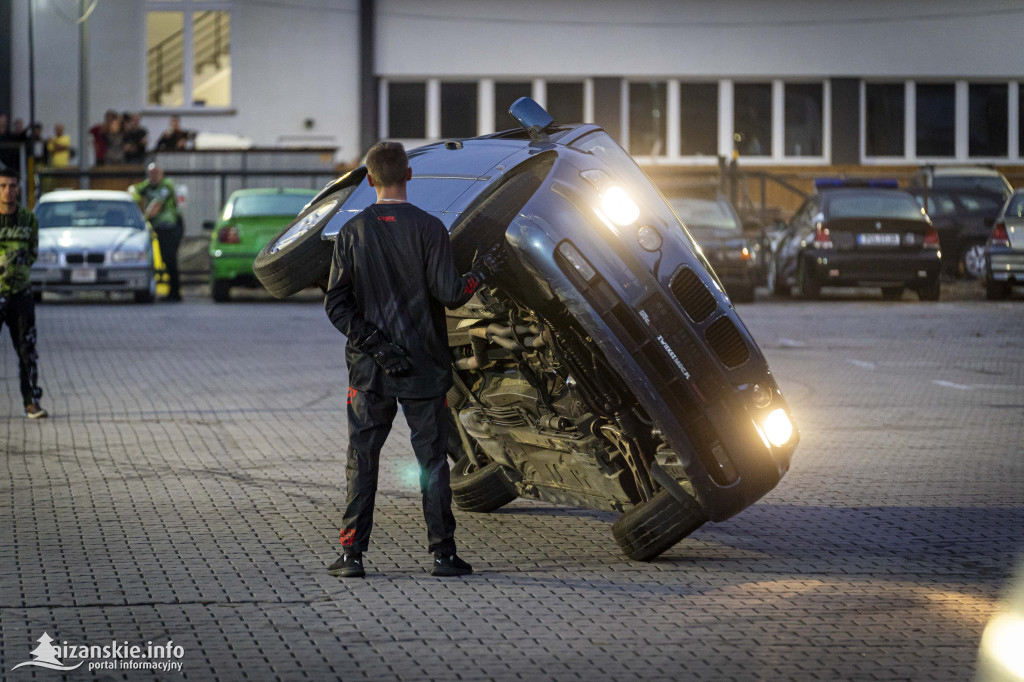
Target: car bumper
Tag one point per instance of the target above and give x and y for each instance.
(1006, 265)
(232, 266)
(91, 279)
(879, 269)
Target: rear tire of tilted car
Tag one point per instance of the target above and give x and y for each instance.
(892, 293)
(480, 490)
(810, 288)
(649, 529)
(777, 284)
(220, 291)
(301, 263)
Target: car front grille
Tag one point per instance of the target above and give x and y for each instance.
(693, 295)
(94, 257)
(727, 342)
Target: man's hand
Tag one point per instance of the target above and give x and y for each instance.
(389, 356)
(492, 261)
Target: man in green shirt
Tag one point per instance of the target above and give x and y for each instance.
(159, 204)
(19, 246)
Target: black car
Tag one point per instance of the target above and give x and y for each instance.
(963, 220)
(604, 367)
(716, 226)
(858, 234)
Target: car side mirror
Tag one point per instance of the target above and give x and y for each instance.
(208, 224)
(532, 117)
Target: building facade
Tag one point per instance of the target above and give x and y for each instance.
(785, 84)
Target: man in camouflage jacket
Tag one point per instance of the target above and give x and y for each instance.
(19, 246)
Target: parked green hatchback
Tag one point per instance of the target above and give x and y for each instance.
(249, 219)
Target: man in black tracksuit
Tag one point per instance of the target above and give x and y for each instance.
(391, 278)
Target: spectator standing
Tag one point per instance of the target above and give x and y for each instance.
(8, 152)
(159, 204)
(38, 145)
(19, 246)
(175, 137)
(114, 139)
(99, 137)
(136, 138)
(58, 147)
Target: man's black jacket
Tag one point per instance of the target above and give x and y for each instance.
(393, 272)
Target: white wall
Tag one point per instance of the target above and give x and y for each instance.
(781, 38)
(291, 60)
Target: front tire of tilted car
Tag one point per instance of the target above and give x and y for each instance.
(480, 490)
(649, 529)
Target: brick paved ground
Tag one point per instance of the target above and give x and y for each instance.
(188, 487)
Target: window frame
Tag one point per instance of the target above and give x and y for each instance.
(187, 8)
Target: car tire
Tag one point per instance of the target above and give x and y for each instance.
(810, 288)
(995, 290)
(776, 284)
(220, 291)
(649, 529)
(305, 260)
(972, 260)
(146, 295)
(481, 490)
(930, 292)
(892, 293)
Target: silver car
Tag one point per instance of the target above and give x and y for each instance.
(93, 240)
(1004, 252)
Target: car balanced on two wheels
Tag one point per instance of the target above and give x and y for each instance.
(604, 366)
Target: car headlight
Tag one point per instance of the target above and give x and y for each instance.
(778, 428)
(129, 256)
(47, 258)
(619, 206)
(305, 224)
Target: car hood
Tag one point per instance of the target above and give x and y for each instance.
(91, 238)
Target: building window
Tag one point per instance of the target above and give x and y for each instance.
(188, 55)
(647, 119)
(936, 119)
(752, 118)
(458, 109)
(989, 119)
(698, 119)
(565, 102)
(504, 95)
(884, 115)
(804, 116)
(407, 110)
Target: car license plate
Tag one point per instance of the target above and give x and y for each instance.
(883, 239)
(83, 275)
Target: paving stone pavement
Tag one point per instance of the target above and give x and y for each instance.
(189, 483)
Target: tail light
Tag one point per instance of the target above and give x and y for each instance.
(229, 235)
(1000, 237)
(822, 239)
(931, 239)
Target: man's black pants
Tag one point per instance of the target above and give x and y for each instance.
(18, 312)
(169, 238)
(369, 421)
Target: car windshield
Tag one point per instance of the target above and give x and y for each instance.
(89, 213)
(285, 204)
(878, 205)
(705, 213)
(985, 183)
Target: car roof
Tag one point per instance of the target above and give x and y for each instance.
(254, 191)
(967, 171)
(86, 195)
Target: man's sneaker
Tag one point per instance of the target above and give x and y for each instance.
(33, 411)
(348, 565)
(449, 565)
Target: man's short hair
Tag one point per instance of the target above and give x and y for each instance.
(9, 172)
(387, 163)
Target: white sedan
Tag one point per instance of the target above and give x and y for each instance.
(93, 240)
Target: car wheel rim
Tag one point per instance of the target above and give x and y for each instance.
(771, 274)
(974, 260)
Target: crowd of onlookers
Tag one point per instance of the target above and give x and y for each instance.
(120, 139)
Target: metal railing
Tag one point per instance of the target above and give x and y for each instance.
(165, 61)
